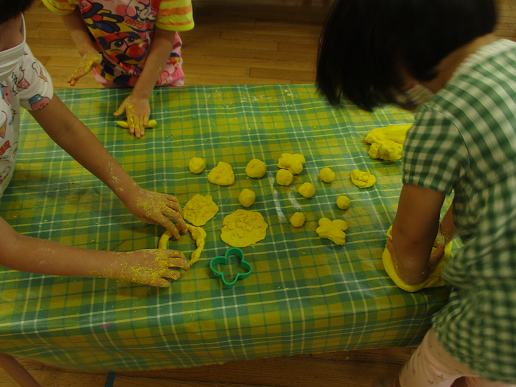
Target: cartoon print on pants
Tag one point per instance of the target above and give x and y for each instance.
(37, 102)
(39, 71)
(96, 17)
(5, 93)
(3, 123)
(5, 151)
(4, 174)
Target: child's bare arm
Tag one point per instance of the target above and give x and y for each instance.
(414, 230)
(24, 253)
(76, 139)
(137, 106)
(90, 56)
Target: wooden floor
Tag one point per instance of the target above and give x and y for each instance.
(234, 42)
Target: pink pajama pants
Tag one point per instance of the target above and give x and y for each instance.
(432, 366)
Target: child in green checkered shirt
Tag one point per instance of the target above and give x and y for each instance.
(24, 82)
(442, 58)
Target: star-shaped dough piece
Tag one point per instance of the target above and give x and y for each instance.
(200, 209)
(292, 162)
(333, 230)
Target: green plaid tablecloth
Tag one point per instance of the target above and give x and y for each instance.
(305, 295)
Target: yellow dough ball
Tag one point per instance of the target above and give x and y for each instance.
(284, 177)
(307, 190)
(256, 168)
(343, 202)
(222, 174)
(298, 219)
(246, 197)
(362, 179)
(196, 165)
(327, 175)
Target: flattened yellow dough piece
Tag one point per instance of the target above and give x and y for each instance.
(434, 280)
(198, 235)
(199, 209)
(243, 228)
(362, 179)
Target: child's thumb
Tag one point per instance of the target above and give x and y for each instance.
(120, 110)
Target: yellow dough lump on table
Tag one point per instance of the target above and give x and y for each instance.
(198, 235)
(327, 175)
(307, 190)
(292, 162)
(433, 280)
(222, 174)
(284, 177)
(343, 202)
(255, 168)
(243, 228)
(333, 230)
(196, 165)
(246, 197)
(362, 179)
(387, 142)
(200, 209)
(298, 219)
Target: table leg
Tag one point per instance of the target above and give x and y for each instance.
(17, 372)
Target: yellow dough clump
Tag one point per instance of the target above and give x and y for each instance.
(307, 190)
(333, 230)
(196, 165)
(362, 179)
(256, 168)
(433, 280)
(246, 197)
(125, 125)
(343, 202)
(298, 219)
(327, 175)
(387, 142)
(222, 174)
(292, 162)
(243, 228)
(200, 209)
(284, 177)
(198, 235)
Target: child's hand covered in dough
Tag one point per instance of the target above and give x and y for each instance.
(87, 63)
(137, 111)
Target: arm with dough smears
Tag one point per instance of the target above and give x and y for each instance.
(78, 141)
(90, 55)
(414, 232)
(136, 106)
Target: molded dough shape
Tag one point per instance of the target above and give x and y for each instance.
(243, 228)
(327, 175)
(433, 280)
(256, 168)
(198, 235)
(387, 142)
(246, 197)
(307, 190)
(343, 202)
(200, 209)
(362, 179)
(284, 177)
(298, 219)
(292, 162)
(125, 125)
(196, 165)
(222, 174)
(333, 230)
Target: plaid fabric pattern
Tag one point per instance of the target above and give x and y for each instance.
(306, 295)
(465, 139)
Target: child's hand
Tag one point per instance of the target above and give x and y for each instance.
(88, 61)
(137, 111)
(156, 208)
(148, 267)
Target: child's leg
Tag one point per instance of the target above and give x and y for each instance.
(432, 366)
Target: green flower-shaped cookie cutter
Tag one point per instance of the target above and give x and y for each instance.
(224, 261)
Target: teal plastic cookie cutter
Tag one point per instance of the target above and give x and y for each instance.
(224, 261)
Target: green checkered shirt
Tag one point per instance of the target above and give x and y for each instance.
(465, 140)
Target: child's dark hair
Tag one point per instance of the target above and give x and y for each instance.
(364, 43)
(9, 9)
